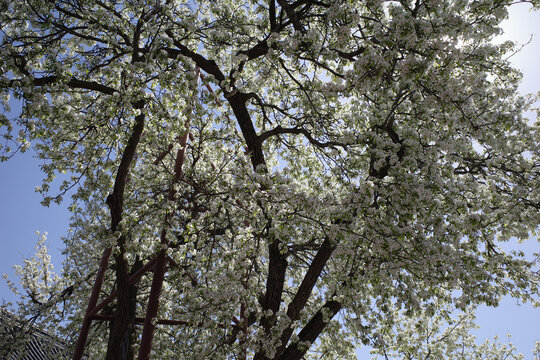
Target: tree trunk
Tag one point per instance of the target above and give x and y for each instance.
(122, 327)
(122, 332)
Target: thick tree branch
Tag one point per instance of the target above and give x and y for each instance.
(272, 15)
(72, 83)
(253, 142)
(116, 199)
(20, 62)
(122, 325)
(260, 49)
(306, 287)
(275, 281)
(350, 55)
(302, 295)
(236, 99)
(208, 66)
(311, 331)
(291, 14)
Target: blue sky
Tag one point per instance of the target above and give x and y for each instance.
(21, 214)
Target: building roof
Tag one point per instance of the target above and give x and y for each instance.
(20, 340)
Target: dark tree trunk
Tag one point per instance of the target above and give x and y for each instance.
(119, 345)
(122, 332)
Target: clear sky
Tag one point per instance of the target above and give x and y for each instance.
(21, 214)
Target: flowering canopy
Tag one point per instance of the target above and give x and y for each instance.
(352, 159)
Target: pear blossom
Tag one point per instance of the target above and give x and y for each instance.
(318, 174)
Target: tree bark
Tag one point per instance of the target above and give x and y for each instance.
(122, 328)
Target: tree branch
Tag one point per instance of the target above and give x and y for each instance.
(73, 83)
(272, 15)
(306, 287)
(291, 15)
(276, 280)
(281, 130)
(116, 199)
(208, 66)
(311, 331)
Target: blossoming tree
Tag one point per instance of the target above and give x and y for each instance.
(293, 174)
